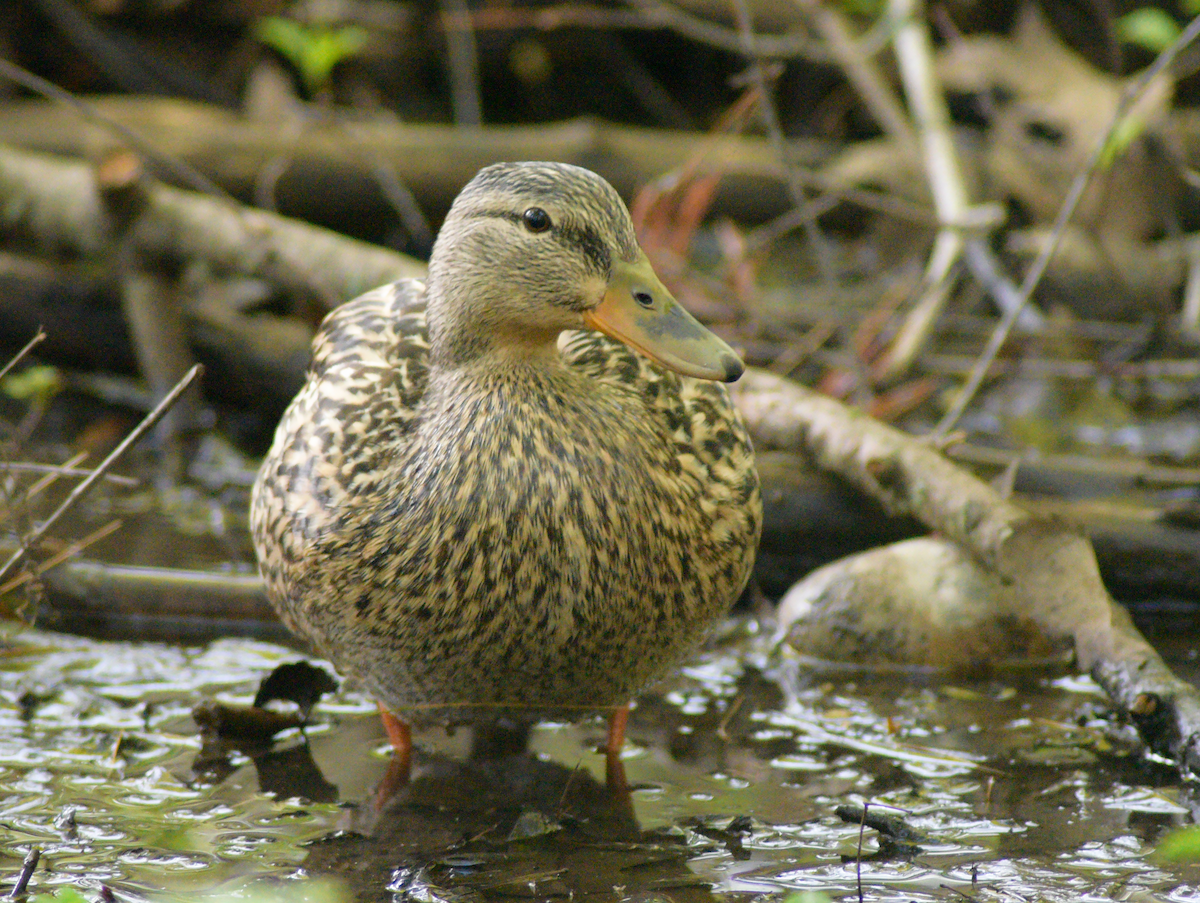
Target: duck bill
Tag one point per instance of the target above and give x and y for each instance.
(638, 310)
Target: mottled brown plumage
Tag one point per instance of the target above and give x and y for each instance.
(480, 508)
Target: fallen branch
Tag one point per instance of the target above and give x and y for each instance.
(435, 160)
(176, 604)
(1051, 568)
(58, 205)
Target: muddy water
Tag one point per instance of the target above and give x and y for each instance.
(1022, 788)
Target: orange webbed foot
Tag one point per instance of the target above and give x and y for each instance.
(400, 767)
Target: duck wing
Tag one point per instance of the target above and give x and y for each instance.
(356, 409)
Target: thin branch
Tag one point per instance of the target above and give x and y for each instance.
(861, 71)
(165, 163)
(926, 100)
(821, 250)
(1189, 317)
(51, 478)
(862, 828)
(37, 339)
(987, 272)
(55, 560)
(961, 224)
(1166, 369)
(404, 203)
(927, 105)
(463, 62)
(1081, 466)
(789, 46)
(65, 471)
(1132, 95)
(84, 486)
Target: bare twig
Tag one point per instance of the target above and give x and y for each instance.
(391, 185)
(642, 84)
(987, 272)
(788, 46)
(165, 163)
(402, 200)
(1132, 95)
(796, 190)
(64, 470)
(85, 485)
(862, 829)
(1137, 470)
(58, 558)
(926, 100)
(832, 194)
(49, 479)
(38, 338)
(734, 708)
(1189, 317)
(862, 72)
(940, 273)
(1165, 369)
(463, 60)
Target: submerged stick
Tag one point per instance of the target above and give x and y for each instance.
(87, 483)
(28, 867)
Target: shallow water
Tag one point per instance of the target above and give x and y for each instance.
(1021, 788)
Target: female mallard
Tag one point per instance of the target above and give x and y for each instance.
(485, 509)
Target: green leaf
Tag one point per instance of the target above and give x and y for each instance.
(62, 895)
(1180, 845)
(37, 383)
(807, 896)
(314, 52)
(330, 47)
(1124, 134)
(868, 9)
(1148, 27)
(287, 36)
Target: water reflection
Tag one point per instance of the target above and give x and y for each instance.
(1020, 789)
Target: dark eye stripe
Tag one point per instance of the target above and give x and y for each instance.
(589, 241)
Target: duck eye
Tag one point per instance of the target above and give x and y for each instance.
(536, 219)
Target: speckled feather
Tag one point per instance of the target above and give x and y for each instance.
(536, 539)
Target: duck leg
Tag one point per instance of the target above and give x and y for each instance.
(614, 768)
(400, 767)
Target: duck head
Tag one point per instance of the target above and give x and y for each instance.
(531, 249)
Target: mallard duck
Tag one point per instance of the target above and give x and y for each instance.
(516, 490)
